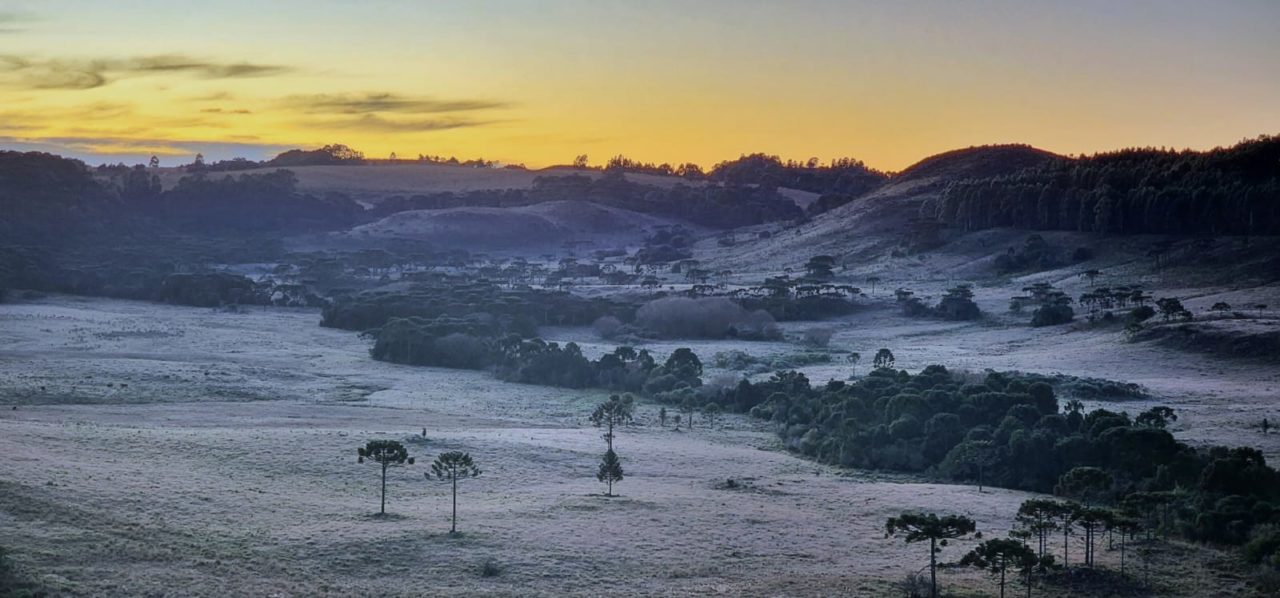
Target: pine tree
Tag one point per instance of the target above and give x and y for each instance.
(451, 467)
(610, 470)
(937, 530)
(387, 453)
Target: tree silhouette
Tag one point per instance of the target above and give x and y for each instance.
(451, 467)
(1156, 417)
(853, 359)
(387, 453)
(918, 527)
(998, 555)
(154, 162)
(614, 412)
(873, 281)
(1091, 520)
(710, 411)
(1038, 516)
(883, 359)
(610, 470)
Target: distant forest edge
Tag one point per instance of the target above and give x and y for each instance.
(1233, 190)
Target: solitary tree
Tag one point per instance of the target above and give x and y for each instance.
(883, 359)
(387, 453)
(610, 470)
(614, 412)
(998, 555)
(451, 467)
(662, 417)
(918, 527)
(1156, 417)
(853, 359)
(873, 281)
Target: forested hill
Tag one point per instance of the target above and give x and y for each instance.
(1232, 190)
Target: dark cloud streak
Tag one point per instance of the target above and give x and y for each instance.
(374, 103)
(32, 73)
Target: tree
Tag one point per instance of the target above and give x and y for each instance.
(610, 470)
(710, 411)
(451, 467)
(580, 161)
(1091, 520)
(818, 268)
(1038, 516)
(387, 453)
(662, 417)
(1156, 417)
(853, 359)
(883, 359)
(154, 162)
(873, 281)
(689, 406)
(1127, 526)
(1084, 484)
(614, 412)
(997, 555)
(918, 527)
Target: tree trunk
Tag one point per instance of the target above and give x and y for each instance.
(1002, 581)
(933, 568)
(1066, 548)
(453, 526)
(383, 509)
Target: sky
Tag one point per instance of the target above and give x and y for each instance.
(540, 82)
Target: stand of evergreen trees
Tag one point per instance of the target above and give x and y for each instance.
(1232, 191)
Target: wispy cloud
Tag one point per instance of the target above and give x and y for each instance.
(39, 73)
(225, 111)
(373, 103)
(372, 122)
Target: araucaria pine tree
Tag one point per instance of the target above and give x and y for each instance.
(999, 555)
(612, 413)
(610, 470)
(918, 527)
(451, 467)
(387, 453)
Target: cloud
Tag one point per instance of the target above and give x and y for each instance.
(372, 122)
(38, 73)
(225, 111)
(9, 19)
(374, 103)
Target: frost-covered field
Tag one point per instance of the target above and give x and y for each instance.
(152, 449)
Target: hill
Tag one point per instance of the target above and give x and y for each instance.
(547, 225)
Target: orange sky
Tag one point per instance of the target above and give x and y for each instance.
(540, 82)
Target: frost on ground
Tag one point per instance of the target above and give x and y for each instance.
(156, 449)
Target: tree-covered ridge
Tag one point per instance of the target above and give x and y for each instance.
(715, 206)
(1232, 190)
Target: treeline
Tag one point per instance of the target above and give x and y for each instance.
(716, 206)
(1232, 190)
(845, 176)
(516, 310)
(49, 200)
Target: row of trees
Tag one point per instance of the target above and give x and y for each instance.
(1222, 191)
